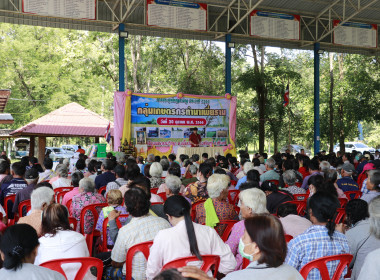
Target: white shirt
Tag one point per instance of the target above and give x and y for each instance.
(371, 269)
(61, 182)
(173, 243)
(259, 170)
(64, 244)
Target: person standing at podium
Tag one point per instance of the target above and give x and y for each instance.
(195, 138)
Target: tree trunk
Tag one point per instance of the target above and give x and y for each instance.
(341, 106)
(275, 143)
(331, 126)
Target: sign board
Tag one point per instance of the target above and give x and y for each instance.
(275, 25)
(78, 9)
(355, 34)
(177, 14)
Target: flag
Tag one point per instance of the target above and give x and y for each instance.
(286, 96)
(107, 134)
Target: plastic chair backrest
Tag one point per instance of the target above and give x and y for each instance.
(141, 247)
(208, 262)
(154, 190)
(104, 231)
(343, 202)
(8, 201)
(162, 195)
(73, 223)
(60, 192)
(89, 241)
(86, 264)
(233, 183)
(320, 264)
(193, 207)
(157, 203)
(341, 215)
(94, 212)
(274, 181)
(227, 231)
(233, 196)
(24, 204)
(245, 263)
(353, 194)
(102, 190)
(301, 197)
(288, 237)
(68, 205)
(237, 209)
(301, 206)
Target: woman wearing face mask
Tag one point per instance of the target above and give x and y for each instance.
(263, 243)
(186, 239)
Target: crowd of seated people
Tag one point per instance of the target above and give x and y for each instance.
(265, 217)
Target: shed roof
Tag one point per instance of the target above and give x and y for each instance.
(6, 118)
(69, 120)
(4, 95)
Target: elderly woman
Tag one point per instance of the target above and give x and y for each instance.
(40, 199)
(263, 243)
(155, 173)
(165, 166)
(252, 201)
(58, 241)
(87, 195)
(63, 180)
(172, 171)
(373, 185)
(198, 191)
(290, 179)
(216, 208)
(172, 185)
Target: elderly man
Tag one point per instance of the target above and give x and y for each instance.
(172, 185)
(216, 205)
(63, 180)
(142, 227)
(246, 167)
(290, 180)
(107, 175)
(31, 178)
(87, 195)
(270, 174)
(346, 183)
(120, 181)
(41, 198)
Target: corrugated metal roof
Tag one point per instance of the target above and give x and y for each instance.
(69, 120)
(4, 95)
(6, 119)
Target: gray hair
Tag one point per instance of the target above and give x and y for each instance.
(324, 166)
(216, 183)
(193, 169)
(374, 216)
(247, 166)
(87, 185)
(289, 177)
(155, 169)
(41, 196)
(173, 183)
(271, 163)
(66, 162)
(255, 199)
(165, 164)
(62, 171)
(150, 157)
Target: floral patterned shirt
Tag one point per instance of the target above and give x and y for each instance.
(155, 182)
(197, 191)
(79, 202)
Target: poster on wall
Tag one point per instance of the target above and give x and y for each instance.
(168, 121)
(275, 25)
(355, 34)
(177, 14)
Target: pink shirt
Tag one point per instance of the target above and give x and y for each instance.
(173, 243)
(233, 241)
(295, 225)
(69, 195)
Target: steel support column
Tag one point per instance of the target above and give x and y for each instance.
(316, 98)
(228, 64)
(121, 60)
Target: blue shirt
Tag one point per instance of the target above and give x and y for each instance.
(103, 179)
(241, 181)
(347, 184)
(269, 175)
(315, 243)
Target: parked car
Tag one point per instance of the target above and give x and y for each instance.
(57, 153)
(295, 148)
(71, 149)
(357, 146)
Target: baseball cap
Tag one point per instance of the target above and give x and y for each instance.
(31, 173)
(348, 167)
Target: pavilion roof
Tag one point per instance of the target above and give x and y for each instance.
(69, 120)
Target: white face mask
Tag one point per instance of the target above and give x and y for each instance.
(241, 250)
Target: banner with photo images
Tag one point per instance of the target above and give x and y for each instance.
(166, 120)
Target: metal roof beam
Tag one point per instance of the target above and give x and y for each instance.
(246, 15)
(221, 14)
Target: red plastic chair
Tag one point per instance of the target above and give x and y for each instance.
(68, 205)
(104, 246)
(24, 204)
(90, 242)
(157, 203)
(233, 183)
(208, 262)
(141, 247)
(237, 209)
(343, 202)
(341, 215)
(301, 206)
(233, 196)
(320, 264)
(154, 190)
(301, 197)
(193, 207)
(86, 264)
(353, 194)
(102, 190)
(163, 196)
(246, 262)
(9, 201)
(288, 237)
(274, 181)
(73, 223)
(94, 212)
(227, 231)
(60, 192)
